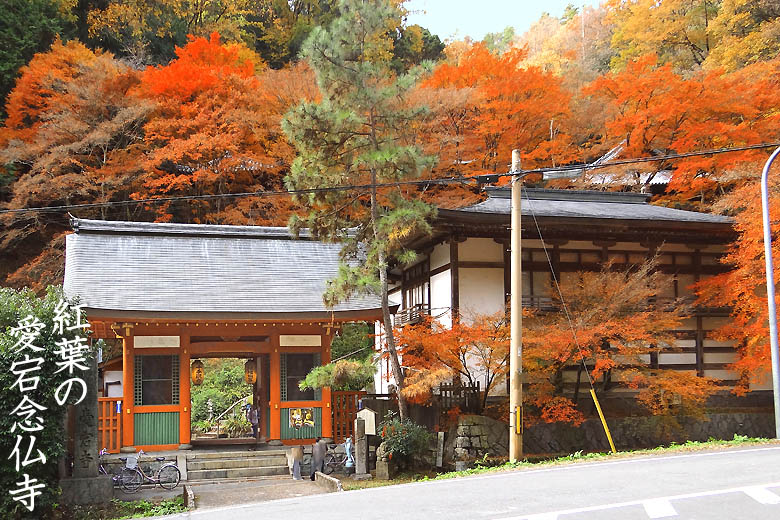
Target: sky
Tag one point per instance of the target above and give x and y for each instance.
(475, 18)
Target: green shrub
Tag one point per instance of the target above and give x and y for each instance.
(236, 425)
(16, 305)
(341, 375)
(404, 440)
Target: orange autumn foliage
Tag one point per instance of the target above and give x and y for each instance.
(655, 110)
(495, 105)
(217, 130)
(615, 328)
(474, 350)
(743, 288)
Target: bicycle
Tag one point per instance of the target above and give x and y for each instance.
(333, 460)
(102, 469)
(167, 476)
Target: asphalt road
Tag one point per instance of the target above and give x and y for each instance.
(732, 484)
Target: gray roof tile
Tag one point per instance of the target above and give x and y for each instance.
(588, 204)
(184, 268)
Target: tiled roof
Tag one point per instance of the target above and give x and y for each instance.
(586, 205)
(241, 271)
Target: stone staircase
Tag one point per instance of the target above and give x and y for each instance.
(236, 464)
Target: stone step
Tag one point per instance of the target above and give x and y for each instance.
(205, 455)
(237, 462)
(264, 471)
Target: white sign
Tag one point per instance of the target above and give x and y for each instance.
(300, 340)
(156, 342)
(369, 417)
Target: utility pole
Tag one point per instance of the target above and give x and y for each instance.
(516, 320)
(770, 291)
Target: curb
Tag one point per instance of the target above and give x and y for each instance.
(331, 484)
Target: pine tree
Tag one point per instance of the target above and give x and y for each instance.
(358, 134)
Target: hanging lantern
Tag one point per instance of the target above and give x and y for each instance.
(196, 372)
(250, 372)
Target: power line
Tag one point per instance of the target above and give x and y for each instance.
(419, 182)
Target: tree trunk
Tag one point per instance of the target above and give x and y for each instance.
(386, 321)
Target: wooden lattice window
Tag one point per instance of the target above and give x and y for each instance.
(294, 368)
(156, 380)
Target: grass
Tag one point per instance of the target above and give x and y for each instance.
(487, 465)
(119, 510)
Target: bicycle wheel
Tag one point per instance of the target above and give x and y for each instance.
(130, 480)
(169, 476)
(331, 463)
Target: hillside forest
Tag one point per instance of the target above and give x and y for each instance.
(136, 110)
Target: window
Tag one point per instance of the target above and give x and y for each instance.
(156, 380)
(295, 367)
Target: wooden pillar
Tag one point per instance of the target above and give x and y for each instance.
(275, 390)
(128, 381)
(454, 279)
(184, 390)
(327, 410)
(699, 347)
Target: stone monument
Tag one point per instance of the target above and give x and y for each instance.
(86, 486)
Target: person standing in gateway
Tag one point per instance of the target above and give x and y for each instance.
(318, 450)
(251, 416)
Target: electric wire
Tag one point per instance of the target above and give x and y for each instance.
(463, 179)
(558, 288)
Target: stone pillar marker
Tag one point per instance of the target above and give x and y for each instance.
(361, 451)
(85, 437)
(86, 486)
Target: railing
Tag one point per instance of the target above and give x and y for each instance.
(219, 419)
(465, 397)
(109, 424)
(345, 408)
(412, 315)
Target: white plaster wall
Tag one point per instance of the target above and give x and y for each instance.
(481, 291)
(441, 297)
(440, 255)
(480, 250)
(113, 375)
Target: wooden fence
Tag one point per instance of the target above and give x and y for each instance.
(109, 424)
(345, 408)
(467, 398)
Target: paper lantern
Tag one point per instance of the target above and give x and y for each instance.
(196, 372)
(250, 372)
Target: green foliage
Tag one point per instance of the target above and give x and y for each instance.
(356, 134)
(355, 341)
(413, 45)
(500, 42)
(223, 383)
(236, 424)
(15, 305)
(26, 27)
(404, 439)
(342, 375)
(120, 509)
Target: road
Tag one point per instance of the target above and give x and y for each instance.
(731, 484)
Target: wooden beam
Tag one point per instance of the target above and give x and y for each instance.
(454, 279)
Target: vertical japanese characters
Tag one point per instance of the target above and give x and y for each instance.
(28, 360)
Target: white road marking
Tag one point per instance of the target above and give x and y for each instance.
(544, 516)
(762, 495)
(602, 507)
(465, 480)
(659, 508)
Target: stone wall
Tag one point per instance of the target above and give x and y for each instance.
(475, 436)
